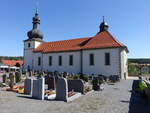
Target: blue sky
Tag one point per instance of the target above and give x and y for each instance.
(128, 20)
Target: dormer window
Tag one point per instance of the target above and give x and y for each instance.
(29, 45)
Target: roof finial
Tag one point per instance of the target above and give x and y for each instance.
(37, 4)
(103, 19)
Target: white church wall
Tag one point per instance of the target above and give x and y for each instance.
(118, 61)
(29, 55)
(75, 68)
(36, 44)
(35, 61)
(33, 44)
(99, 66)
(26, 45)
(27, 58)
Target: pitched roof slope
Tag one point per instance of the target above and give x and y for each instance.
(65, 45)
(12, 62)
(101, 40)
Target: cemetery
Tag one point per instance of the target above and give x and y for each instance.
(52, 88)
(54, 85)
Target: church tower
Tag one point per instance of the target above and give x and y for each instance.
(35, 38)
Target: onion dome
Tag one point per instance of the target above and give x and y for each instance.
(35, 33)
(103, 26)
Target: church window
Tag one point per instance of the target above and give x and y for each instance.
(107, 58)
(60, 60)
(50, 60)
(39, 61)
(29, 45)
(71, 60)
(91, 57)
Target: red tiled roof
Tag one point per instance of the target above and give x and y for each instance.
(101, 40)
(12, 62)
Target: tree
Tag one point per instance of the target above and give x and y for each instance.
(132, 69)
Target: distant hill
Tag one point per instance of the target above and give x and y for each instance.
(139, 60)
(11, 58)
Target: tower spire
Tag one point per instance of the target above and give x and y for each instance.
(35, 33)
(36, 20)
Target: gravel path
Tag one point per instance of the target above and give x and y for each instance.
(113, 99)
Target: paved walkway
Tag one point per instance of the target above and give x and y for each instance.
(115, 98)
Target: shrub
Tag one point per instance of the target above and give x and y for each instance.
(84, 77)
(75, 77)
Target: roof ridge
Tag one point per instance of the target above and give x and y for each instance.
(67, 40)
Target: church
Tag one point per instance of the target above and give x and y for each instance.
(99, 54)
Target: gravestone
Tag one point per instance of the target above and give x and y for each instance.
(12, 80)
(18, 76)
(30, 73)
(64, 74)
(38, 88)
(27, 74)
(51, 83)
(56, 78)
(114, 78)
(4, 78)
(101, 77)
(46, 79)
(95, 83)
(76, 85)
(50, 73)
(62, 89)
(56, 73)
(28, 84)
